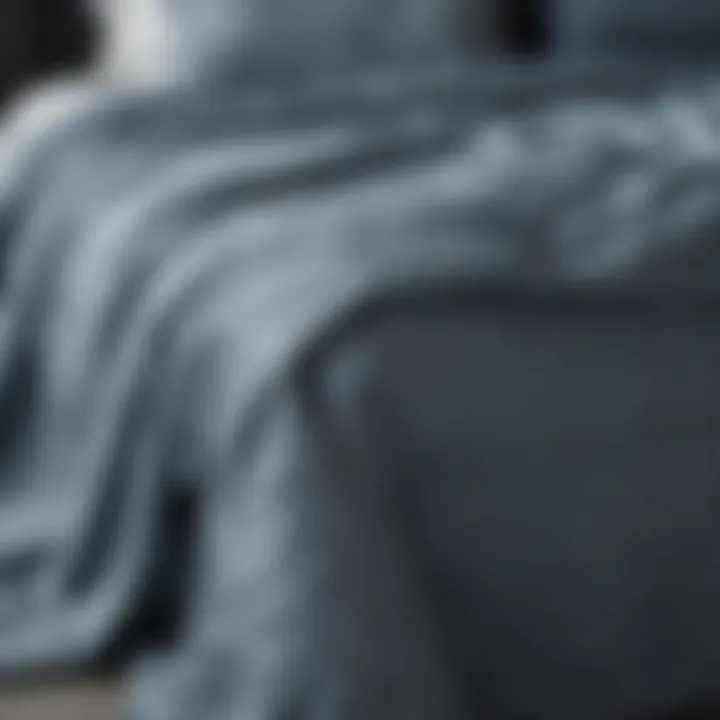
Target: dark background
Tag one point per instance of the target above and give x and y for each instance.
(41, 37)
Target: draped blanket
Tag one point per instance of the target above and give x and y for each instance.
(193, 286)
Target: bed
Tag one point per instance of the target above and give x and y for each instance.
(391, 398)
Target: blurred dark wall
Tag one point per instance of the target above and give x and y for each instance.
(39, 38)
(526, 25)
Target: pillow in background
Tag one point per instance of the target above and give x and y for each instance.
(159, 37)
(665, 28)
